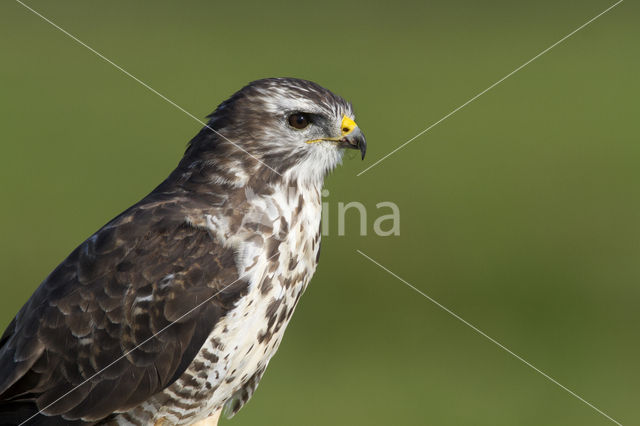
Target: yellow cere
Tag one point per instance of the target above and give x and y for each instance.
(347, 126)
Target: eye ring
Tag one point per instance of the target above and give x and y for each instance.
(299, 120)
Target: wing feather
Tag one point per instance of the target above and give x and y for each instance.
(138, 276)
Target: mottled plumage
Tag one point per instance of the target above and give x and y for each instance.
(172, 310)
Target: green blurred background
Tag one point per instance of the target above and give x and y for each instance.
(520, 212)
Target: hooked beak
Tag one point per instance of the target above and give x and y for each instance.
(352, 136)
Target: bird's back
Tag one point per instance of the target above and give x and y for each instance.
(112, 325)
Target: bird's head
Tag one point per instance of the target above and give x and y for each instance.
(283, 127)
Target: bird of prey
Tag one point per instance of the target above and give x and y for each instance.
(170, 313)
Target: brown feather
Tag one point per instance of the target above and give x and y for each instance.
(136, 276)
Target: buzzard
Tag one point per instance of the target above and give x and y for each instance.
(170, 313)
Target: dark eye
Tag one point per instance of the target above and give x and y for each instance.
(299, 120)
